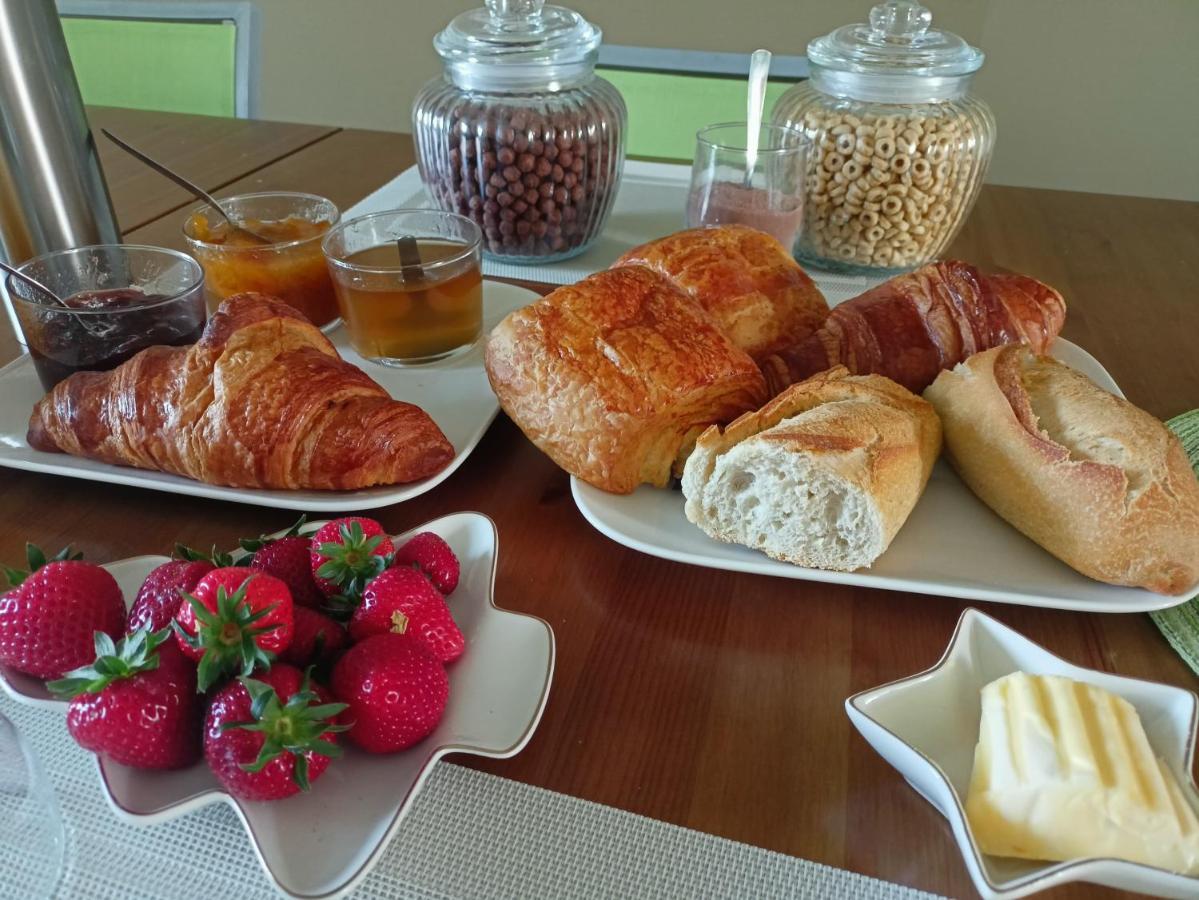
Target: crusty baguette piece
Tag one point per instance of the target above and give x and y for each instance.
(1099, 483)
(746, 279)
(823, 475)
(614, 377)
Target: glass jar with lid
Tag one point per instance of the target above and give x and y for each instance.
(899, 147)
(519, 133)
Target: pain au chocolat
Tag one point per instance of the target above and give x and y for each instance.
(614, 377)
(744, 278)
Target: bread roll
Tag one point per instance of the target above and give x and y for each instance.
(615, 376)
(824, 475)
(745, 278)
(1099, 483)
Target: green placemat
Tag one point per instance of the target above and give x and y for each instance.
(1180, 625)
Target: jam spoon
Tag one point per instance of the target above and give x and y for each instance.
(195, 189)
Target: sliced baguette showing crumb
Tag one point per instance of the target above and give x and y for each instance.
(1099, 483)
(822, 476)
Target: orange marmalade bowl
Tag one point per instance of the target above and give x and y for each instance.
(291, 267)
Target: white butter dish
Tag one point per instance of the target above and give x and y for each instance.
(927, 725)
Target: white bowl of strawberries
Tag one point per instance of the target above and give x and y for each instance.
(238, 684)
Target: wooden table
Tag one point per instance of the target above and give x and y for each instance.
(708, 699)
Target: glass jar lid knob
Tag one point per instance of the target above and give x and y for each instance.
(899, 40)
(508, 44)
(514, 9)
(900, 20)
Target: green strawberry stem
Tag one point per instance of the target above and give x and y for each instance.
(227, 637)
(134, 653)
(252, 545)
(218, 558)
(296, 727)
(350, 563)
(36, 558)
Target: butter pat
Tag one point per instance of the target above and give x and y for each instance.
(1063, 770)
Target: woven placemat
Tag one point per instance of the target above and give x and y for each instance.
(469, 835)
(1180, 625)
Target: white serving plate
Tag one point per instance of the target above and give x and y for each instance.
(926, 726)
(323, 843)
(455, 393)
(952, 544)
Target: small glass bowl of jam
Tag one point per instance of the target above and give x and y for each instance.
(118, 299)
(290, 267)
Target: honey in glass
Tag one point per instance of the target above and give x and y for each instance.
(414, 314)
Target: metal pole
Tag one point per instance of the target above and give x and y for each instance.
(52, 190)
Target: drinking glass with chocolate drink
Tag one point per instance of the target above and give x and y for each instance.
(408, 284)
(733, 184)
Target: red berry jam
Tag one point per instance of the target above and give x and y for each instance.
(115, 325)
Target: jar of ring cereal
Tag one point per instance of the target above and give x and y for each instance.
(899, 147)
(519, 133)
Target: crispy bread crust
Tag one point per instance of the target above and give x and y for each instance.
(882, 439)
(1107, 489)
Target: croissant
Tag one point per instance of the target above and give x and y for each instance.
(915, 325)
(262, 400)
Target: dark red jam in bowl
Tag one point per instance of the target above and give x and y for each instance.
(112, 326)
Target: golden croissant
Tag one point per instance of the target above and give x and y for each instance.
(915, 325)
(262, 400)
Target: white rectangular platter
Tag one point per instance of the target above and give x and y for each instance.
(455, 393)
(952, 545)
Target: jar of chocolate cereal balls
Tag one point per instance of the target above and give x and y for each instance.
(899, 146)
(519, 134)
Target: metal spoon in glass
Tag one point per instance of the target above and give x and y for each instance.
(195, 189)
(410, 264)
(39, 288)
(35, 284)
(755, 100)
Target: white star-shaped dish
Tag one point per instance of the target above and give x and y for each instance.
(926, 726)
(320, 845)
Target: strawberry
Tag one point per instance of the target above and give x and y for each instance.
(403, 601)
(316, 639)
(396, 691)
(161, 593)
(233, 622)
(48, 619)
(433, 556)
(288, 560)
(268, 737)
(286, 557)
(136, 703)
(346, 554)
